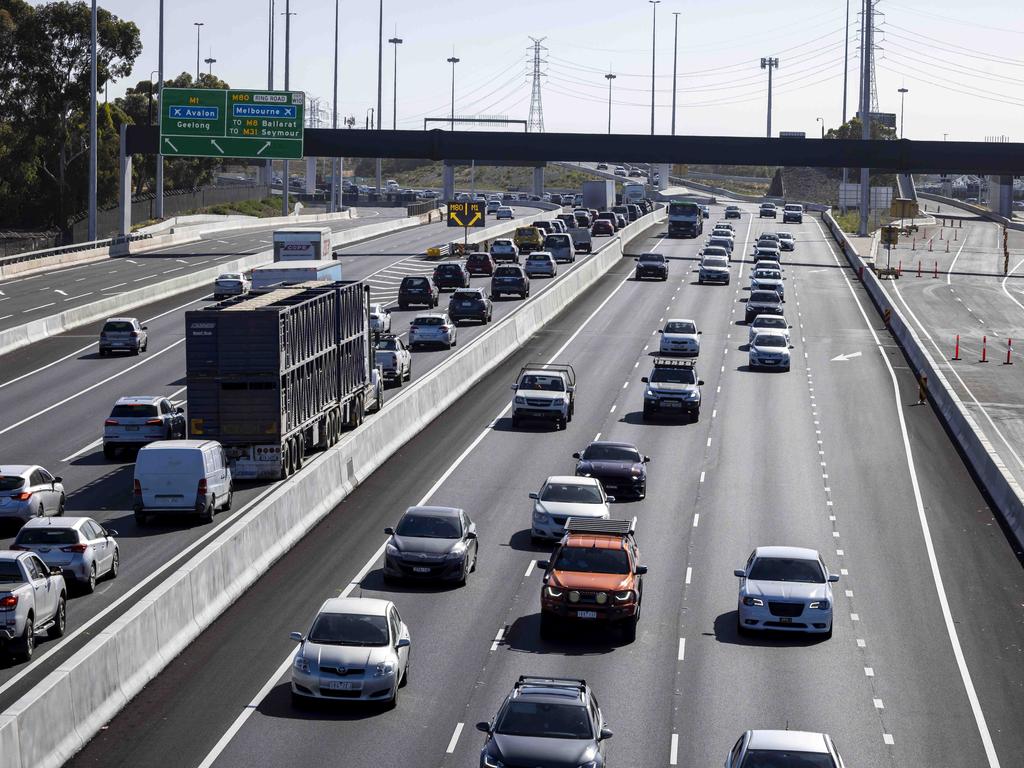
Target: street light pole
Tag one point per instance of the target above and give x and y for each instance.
(654, 39)
(395, 41)
(380, 75)
(335, 161)
(93, 128)
(822, 121)
(903, 92)
(675, 69)
(269, 167)
(769, 63)
(453, 61)
(160, 89)
(609, 77)
(287, 84)
(210, 61)
(198, 25)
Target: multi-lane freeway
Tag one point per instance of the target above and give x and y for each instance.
(925, 665)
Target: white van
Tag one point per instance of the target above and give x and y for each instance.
(175, 476)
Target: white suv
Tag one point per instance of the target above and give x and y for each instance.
(139, 420)
(793, 212)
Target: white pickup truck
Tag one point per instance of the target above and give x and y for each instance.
(544, 391)
(394, 359)
(33, 599)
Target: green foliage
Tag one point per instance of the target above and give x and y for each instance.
(852, 130)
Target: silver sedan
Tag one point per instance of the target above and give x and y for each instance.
(787, 589)
(81, 547)
(28, 491)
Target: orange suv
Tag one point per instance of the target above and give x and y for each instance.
(594, 576)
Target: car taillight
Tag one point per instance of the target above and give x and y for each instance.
(111, 422)
(136, 334)
(445, 328)
(201, 490)
(137, 490)
(79, 548)
(23, 496)
(8, 602)
(154, 422)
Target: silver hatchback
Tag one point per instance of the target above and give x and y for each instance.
(139, 420)
(28, 491)
(82, 548)
(123, 334)
(432, 329)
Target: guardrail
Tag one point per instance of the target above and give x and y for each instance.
(58, 716)
(108, 242)
(999, 485)
(985, 213)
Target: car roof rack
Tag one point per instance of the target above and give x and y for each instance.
(671, 362)
(574, 683)
(599, 526)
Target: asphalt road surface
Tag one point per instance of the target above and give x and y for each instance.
(925, 664)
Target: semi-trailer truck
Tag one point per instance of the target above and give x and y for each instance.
(277, 374)
(280, 272)
(303, 244)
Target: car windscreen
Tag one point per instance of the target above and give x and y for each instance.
(571, 493)
(10, 573)
(673, 376)
(764, 297)
(652, 258)
(430, 527)
(545, 719)
(679, 327)
(507, 272)
(387, 345)
(715, 250)
(605, 452)
(48, 535)
(591, 560)
(539, 381)
(720, 242)
(556, 241)
(118, 327)
(794, 208)
(784, 758)
(716, 261)
(767, 274)
(134, 411)
(11, 482)
(428, 321)
(770, 340)
(787, 569)
(349, 629)
(525, 232)
(770, 322)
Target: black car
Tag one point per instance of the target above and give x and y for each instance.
(510, 279)
(431, 543)
(763, 303)
(733, 212)
(470, 304)
(620, 467)
(417, 291)
(451, 274)
(651, 265)
(546, 721)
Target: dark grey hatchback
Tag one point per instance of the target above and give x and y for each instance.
(763, 303)
(552, 722)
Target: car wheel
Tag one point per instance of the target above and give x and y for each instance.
(60, 619)
(60, 506)
(548, 627)
(561, 422)
(22, 648)
(227, 503)
(115, 563)
(741, 630)
(103, 353)
(408, 373)
(629, 628)
(141, 518)
(700, 281)
(645, 415)
(89, 584)
(206, 516)
(515, 421)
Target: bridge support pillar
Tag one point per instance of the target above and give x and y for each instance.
(1002, 195)
(538, 181)
(311, 175)
(124, 198)
(663, 170)
(448, 182)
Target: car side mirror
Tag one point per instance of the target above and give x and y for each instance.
(179, 409)
(700, 382)
(144, 327)
(111, 532)
(833, 577)
(740, 573)
(543, 564)
(483, 727)
(647, 459)
(403, 642)
(389, 531)
(605, 734)
(789, 326)
(791, 346)
(470, 534)
(576, 455)
(58, 479)
(55, 570)
(641, 570)
(534, 496)
(514, 387)
(699, 332)
(611, 498)
(644, 379)
(296, 636)
(660, 330)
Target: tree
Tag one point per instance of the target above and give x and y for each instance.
(44, 102)
(853, 127)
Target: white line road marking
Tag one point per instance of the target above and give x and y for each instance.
(597, 436)
(949, 272)
(861, 643)
(844, 572)
(888, 739)
(849, 593)
(714, 413)
(5, 317)
(625, 384)
(696, 519)
(95, 443)
(673, 752)
(869, 672)
(689, 573)
(612, 409)
(455, 738)
(702, 477)
(840, 553)
(947, 614)
(41, 306)
(682, 649)
(878, 703)
(112, 287)
(529, 569)
(497, 639)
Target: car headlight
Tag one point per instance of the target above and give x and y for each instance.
(624, 596)
(820, 604)
(301, 664)
(391, 549)
(753, 601)
(574, 596)
(384, 669)
(601, 598)
(520, 400)
(539, 516)
(492, 762)
(457, 553)
(553, 592)
(650, 394)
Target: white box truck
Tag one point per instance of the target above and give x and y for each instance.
(267, 275)
(599, 194)
(303, 244)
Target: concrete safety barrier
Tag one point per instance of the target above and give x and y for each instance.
(978, 210)
(58, 716)
(1002, 488)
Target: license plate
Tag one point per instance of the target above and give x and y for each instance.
(132, 429)
(466, 304)
(420, 569)
(785, 620)
(670, 404)
(337, 685)
(586, 614)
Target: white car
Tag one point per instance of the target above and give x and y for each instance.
(786, 241)
(505, 212)
(726, 225)
(680, 337)
(769, 349)
(356, 650)
(781, 748)
(713, 269)
(541, 263)
(433, 328)
(785, 588)
(504, 249)
(231, 284)
(723, 232)
(380, 319)
(493, 206)
(565, 496)
(768, 323)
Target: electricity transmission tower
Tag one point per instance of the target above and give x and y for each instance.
(536, 121)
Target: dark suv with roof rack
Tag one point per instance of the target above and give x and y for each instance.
(672, 389)
(546, 721)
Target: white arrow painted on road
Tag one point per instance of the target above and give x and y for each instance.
(168, 141)
(214, 142)
(260, 150)
(844, 358)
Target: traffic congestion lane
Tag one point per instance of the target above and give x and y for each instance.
(49, 293)
(102, 488)
(366, 512)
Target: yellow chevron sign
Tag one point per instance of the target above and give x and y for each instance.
(467, 214)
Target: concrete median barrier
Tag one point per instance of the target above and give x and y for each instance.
(45, 727)
(1002, 488)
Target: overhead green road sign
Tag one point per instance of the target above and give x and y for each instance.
(205, 122)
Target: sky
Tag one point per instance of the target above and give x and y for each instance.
(963, 63)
